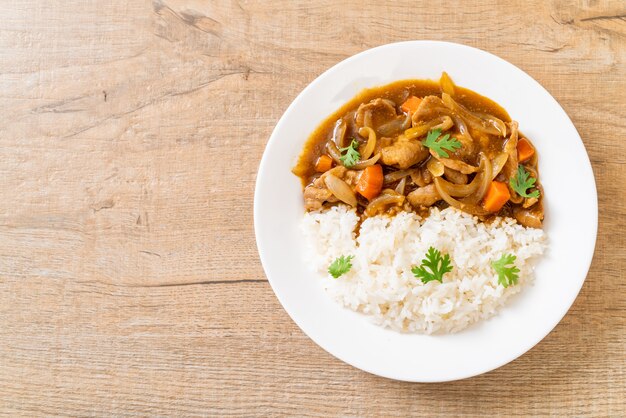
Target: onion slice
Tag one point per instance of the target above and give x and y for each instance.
(462, 125)
(442, 122)
(334, 153)
(470, 208)
(498, 163)
(339, 133)
(470, 203)
(446, 83)
(485, 164)
(435, 167)
(362, 164)
(340, 189)
(401, 185)
(381, 202)
(487, 125)
(457, 165)
(461, 190)
(371, 141)
(397, 175)
(493, 121)
(510, 167)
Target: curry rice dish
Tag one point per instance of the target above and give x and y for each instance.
(423, 205)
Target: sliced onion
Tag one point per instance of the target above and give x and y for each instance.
(416, 131)
(480, 183)
(498, 164)
(446, 83)
(461, 190)
(435, 167)
(371, 141)
(379, 203)
(407, 122)
(442, 122)
(470, 208)
(417, 178)
(510, 167)
(401, 185)
(430, 108)
(340, 189)
(464, 190)
(333, 151)
(397, 175)
(485, 165)
(493, 121)
(460, 123)
(362, 164)
(471, 118)
(457, 165)
(339, 133)
(428, 178)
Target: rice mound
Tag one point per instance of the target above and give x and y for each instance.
(381, 284)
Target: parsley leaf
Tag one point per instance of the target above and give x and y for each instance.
(522, 182)
(444, 143)
(437, 264)
(340, 266)
(506, 275)
(351, 156)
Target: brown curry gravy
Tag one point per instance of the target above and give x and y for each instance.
(397, 91)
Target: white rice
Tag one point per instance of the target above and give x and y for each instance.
(381, 284)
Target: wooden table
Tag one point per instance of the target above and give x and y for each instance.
(131, 134)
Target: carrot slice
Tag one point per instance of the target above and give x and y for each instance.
(411, 104)
(524, 150)
(324, 163)
(497, 195)
(371, 182)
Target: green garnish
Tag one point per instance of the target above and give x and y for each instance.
(522, 182)
(444, 143)
(340, 266)
(437, 264)
(351, 156)
(507, 275)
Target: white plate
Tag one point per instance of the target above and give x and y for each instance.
(571, 218)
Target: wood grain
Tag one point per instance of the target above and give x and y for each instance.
(131, 133)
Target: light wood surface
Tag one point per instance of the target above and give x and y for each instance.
(130, 136)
